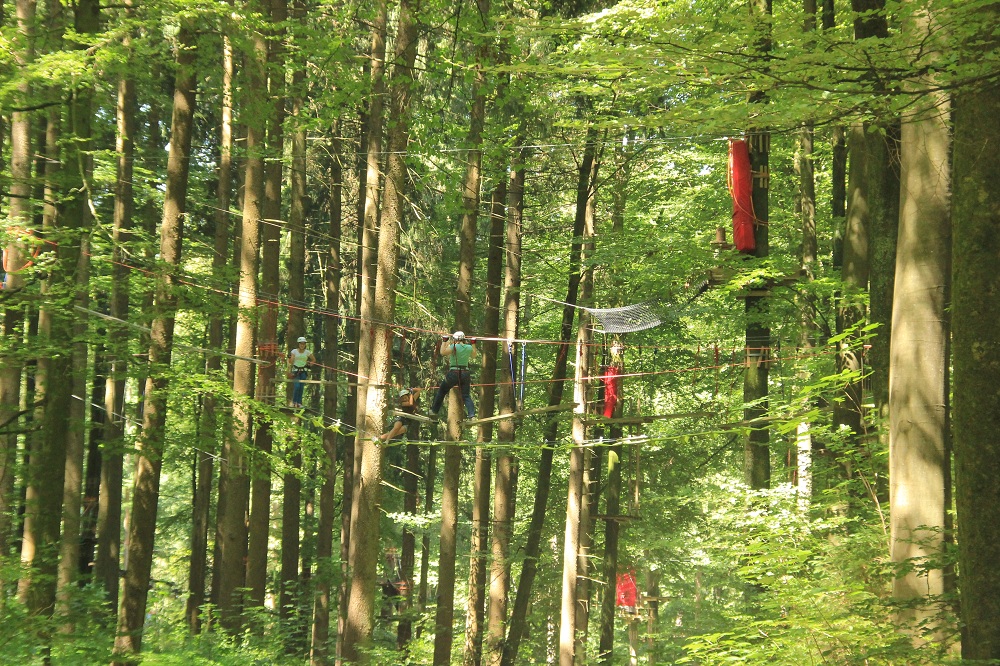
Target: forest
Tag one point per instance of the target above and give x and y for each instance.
(500, 332)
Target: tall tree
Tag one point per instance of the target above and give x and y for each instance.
(213, 363)
(757, 461)
(15, 253)
(106, 563)
(471, 200)
(291, 480)
(506, 467)
(267, 327)
(365, 512)
(975, 311)
(881, 194)
(327, 508)
(481, 484)
(532, 548)
(919, 448)
(86, 22)
(45, 469)
(145, 493)
(231, 532)
(570, 647)
(445, 612)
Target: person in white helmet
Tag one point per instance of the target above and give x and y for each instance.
(406, 402)
(298, 364)
(459, 353)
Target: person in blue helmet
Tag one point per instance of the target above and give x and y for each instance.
(459, 353)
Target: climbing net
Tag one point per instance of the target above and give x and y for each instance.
(629, 318)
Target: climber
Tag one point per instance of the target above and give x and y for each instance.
(298, 362)
(406, 402)
(459, 353)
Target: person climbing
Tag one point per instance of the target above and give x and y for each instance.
(298, 363)
(406, 401)
(459, 353)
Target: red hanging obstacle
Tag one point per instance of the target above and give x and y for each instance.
(626, 592)
(740, 187)
(612, 387)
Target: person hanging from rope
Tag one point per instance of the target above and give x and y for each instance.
(298, 364)
(459, 353)
(406, 402)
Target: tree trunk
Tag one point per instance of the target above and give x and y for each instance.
(327, 507)
(919, 451)
(532, 548)
(445, 612)
(145, 497)
(881, 147)
(503, 493)
(976, 215)
(92, 481)
(267, 331)
(481, 500)
(45, 469)
(847, 413)
(19, 212)
(231, 532)
(367, 256)
(757, 462)
(570, 648)
(365, 513)
(411, 499)
(213, 363)
(77, 215)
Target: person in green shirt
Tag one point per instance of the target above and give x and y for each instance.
(459, 353)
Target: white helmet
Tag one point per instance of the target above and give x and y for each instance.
(302, 339)
(458, 335)
(402, 393)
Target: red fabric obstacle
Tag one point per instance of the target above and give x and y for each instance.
(626, 592)
(612, 387)
(740, 187)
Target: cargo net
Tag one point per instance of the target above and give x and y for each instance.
(629, 318)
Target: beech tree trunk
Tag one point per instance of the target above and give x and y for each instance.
(506, 470)
(213, 363)
(365, 513)
(267, 331)
(77, 214)
(919, 450)
(488, 374)
(19, 212)
(532, 548)
(231, 531)
(45, 468)
(145, 497)
(445, 611)
(327, 507)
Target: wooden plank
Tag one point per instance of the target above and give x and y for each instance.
(415, 417)
(635, 420)
(617, 519)
(526, 412)
(282, 380)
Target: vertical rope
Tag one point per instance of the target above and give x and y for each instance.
(524, 359)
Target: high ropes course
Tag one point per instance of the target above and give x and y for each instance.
(613, 321)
